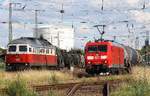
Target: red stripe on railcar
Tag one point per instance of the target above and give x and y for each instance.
(16, 58)
(31, 59)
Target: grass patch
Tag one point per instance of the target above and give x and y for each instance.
(41, 77)
(51, 93)
(2, 66)
(34, 77)
(19, 88)
(133, 88)
(53, 79)
(139, 86)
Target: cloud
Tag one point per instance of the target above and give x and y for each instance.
(132, 2)
(5, 3)
(115, 4)
(140, 16)
(82, 10)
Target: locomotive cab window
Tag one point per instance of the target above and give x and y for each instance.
(102, 48)
(12, 48)
(23, 48)
(92, 48)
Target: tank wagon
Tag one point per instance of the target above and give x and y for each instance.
(109, 56)
(28, 52)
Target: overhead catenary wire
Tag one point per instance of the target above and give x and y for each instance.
(101, 8)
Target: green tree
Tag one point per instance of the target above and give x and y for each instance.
(145, 49)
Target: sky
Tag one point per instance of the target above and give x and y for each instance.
(83, 15)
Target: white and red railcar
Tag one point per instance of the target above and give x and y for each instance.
(27, 52)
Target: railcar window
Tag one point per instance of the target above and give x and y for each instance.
(30, 50)
(51, 51)
(23, 48)
(33, 50)
(102, 48)
(92, 48)
(12, 48)
(47, 51)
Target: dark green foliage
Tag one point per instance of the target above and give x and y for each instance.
(2, 65)
(79, 51)
(19, 88)
(134, 88)
(145, 49)
(1, 49)
(2, 54)
(145, 52)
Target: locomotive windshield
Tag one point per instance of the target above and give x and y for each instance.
(23, 48)
(101, 48)
(92, 48)
(12, 48)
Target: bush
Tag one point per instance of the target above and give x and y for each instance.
(19, 88)
(134, 88)
(2, 65)
(53, 79)
(51, 93)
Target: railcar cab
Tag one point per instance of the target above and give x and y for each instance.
(19, 49)
(16, 56)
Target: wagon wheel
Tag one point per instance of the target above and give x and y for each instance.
(61, 63)
(8, 68)
(111, 71)
(71, 63)
(90, 71)
(129, 68)
(68, 62)
(117, 72)
(114, 71)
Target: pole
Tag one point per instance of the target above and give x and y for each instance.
(51, 39)
(102, 8)
(106, 91)
(10, 37)
(114, 38)
(147, 38)
(62, 12)
(137, 43)
(58, 39)
(147, 46)
(36, 23)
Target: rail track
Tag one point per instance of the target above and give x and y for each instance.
(101, 88)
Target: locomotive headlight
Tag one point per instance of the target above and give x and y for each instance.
(104, 57)
(89, 62)
(90, 57)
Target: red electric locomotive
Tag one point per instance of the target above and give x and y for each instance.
(108, 56)
(27, 52)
